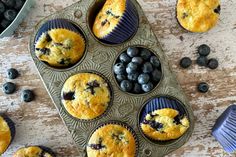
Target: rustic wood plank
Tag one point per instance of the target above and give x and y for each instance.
(39, 123)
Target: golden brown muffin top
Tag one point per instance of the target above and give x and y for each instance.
(164, 124)
(32, 151)
(60, 47)
(198, 15)
(108, 17)
(86, 95)
(5, 135)
(111, 140)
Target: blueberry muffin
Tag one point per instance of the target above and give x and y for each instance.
(116, 21)
(111, 140)
(7, 132)
(164, 124)
(34, 151)
(86, 96)
(198, 15)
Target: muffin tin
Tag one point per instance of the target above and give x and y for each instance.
(100, 58)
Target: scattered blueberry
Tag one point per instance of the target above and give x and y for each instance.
(185, 62)
(124, 58)
(9, 3)
(145, 54)
(147, 87)
(143, 78)
(119, 69)
(120, 78)
(137, 60)
(5, 23)
(147, 67)
(131, 68)
(156, 75)
(204, 50)
(137, 88)
(155, 62)
(9, 88)
(19, 4)
(10, 14)
(2, 8)
(132, 51)
(126, 85)
(202, 61)
(203, 87)
(133, 77)
(12, 73)
(27, 95)
(213, 63)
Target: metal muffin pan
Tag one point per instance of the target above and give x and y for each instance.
(100, 58)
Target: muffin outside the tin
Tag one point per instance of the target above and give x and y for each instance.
(86, 96)
(34, 151)
(116, 22)
(7, 132)
(111, 140)
(163, 119)
(198, 15)
(59, 43)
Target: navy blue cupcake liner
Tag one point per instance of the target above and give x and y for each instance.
(126, 27)
(10, 124)
(224, 129)
(161, 103)
(56, 24)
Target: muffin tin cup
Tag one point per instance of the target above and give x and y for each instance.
(100, 58)
(116, 122)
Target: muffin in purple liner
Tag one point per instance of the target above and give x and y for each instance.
(224, 129)
(35, 151)
(59, 43)
(7, 132)
(116, 22)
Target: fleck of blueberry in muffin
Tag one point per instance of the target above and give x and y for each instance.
(86, 96)
(198, 15)
(111, 140)
(164, 124)
(34, 151)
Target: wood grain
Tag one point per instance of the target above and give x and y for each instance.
(38, 122)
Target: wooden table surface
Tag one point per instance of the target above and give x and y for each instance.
(38, 122)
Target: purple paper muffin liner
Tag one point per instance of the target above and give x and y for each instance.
(127, 26)
(56, 24)
(224, 129)
(161, 103)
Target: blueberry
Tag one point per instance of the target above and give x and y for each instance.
(145, 54)
(124, 58)
(19, 4)
(119, 69)
(203, 87)
(126, 86)
(10, 14)
(132, 51)
(204, 50)
(137, 88)
(68, 96)
(133, 77)
(27, 95)
(137, 60)
(156, 75)
(2, 8)
(131, 68)
(185, 62)
(147, 67)
(120, 78)
(155, 62)
(5, 23)
(9, 88)
(143, 78)
(12, 73)
(213, 63)
(147, 87)
(9, 3)
(202, 61)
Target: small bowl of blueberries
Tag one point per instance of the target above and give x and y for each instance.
(12, 13)
(137, 70)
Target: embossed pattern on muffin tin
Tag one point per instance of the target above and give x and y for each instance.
(100, 58)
